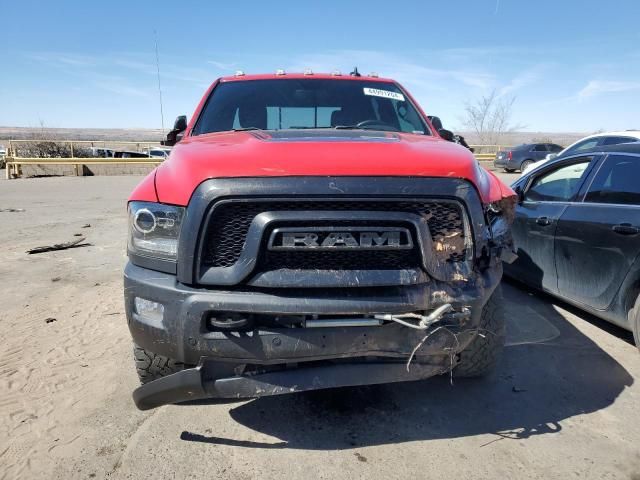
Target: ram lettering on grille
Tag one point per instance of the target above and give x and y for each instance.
(227, 229)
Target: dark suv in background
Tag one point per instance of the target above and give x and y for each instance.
(520, 157)
(577, 232)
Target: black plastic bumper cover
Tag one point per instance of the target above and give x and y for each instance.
(191, 384)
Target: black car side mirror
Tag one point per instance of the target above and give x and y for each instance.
(446, 134)
(174, 136)
(519, 193)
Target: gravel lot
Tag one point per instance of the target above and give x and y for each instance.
(563, 403)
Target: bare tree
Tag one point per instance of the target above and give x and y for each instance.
(42, 144)
(490, 117)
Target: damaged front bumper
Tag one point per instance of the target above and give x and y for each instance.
(198, 384)
(270, 361)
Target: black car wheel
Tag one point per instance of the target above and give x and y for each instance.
(634, 319)
(482, 354)
(509, 170)
(525, 164)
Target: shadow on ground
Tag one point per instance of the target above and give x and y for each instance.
(536, 388)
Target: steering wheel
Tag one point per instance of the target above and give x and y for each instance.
(380, 123)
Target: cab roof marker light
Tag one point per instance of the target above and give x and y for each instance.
(239, 73)
(280, 71)
(373, 74)
(308, 71)
(336, 73)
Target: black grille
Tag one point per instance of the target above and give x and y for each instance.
(230, 221)
(342, 260)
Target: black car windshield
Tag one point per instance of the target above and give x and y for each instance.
(309, 103)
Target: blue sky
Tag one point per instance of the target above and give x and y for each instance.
(572, 65)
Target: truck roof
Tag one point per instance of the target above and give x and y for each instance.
(297, 75)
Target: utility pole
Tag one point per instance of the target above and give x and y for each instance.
(155, 34)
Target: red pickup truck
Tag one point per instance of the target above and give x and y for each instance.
(312, 231)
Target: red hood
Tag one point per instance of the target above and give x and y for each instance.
(315, 153)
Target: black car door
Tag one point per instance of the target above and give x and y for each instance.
(544, 199)
(598, 240)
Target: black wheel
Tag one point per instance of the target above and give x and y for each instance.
(509, 170)
(634, 319)
(525, 164)
(483, 353)
(151, 366)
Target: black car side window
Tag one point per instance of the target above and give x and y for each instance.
(540, 148)
(584, 145)
(559, 185)
(617, 181)
(617, 140)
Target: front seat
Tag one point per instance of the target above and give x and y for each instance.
(342, 118)
(253, 116)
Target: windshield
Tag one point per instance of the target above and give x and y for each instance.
(309, 103)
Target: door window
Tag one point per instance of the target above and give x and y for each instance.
(617, 140)
(540, 148)
(617, 181)
(559, 185)
(584, 145)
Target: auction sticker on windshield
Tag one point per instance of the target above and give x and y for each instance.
(376, 92)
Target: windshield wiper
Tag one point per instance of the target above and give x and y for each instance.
(366, 127)
(306, 128)
(246, 129)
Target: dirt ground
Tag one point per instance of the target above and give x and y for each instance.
(563, 403)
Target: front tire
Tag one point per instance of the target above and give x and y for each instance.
(509, 170)
(151, 366)
(482, 354)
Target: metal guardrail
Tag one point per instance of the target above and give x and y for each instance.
(484, 157)
(14, 162)
(484, 153)
(11, 150)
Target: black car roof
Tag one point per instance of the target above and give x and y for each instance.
(525, 145)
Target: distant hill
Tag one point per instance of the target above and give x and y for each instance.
(155, 135)
(118, 134)
(517, 138)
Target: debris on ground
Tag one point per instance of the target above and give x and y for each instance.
(60, 246)
(361, 458)
(12, 210)
(50, 320)
(55, 279)
(86, 225)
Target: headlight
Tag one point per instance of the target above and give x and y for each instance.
(154, 230)
(505, 208)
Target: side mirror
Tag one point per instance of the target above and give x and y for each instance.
(446, 134)
(519, 193)
(174, 136)
(436, 122)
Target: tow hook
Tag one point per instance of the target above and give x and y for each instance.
(425, 321)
